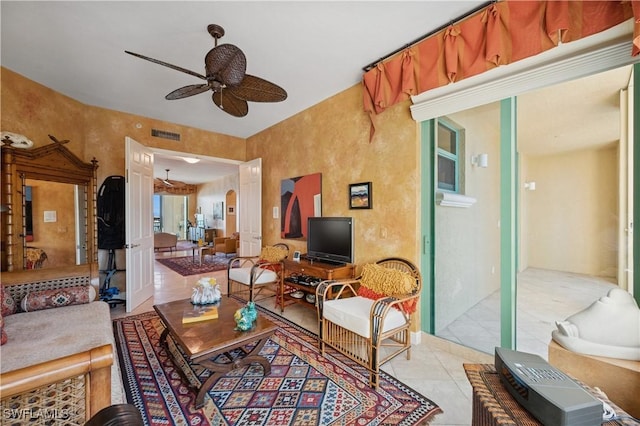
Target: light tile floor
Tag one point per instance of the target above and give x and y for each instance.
(543, 297)
(435, 369)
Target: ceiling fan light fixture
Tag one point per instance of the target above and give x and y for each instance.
(225, 68)
(191, 160)
(166, 181)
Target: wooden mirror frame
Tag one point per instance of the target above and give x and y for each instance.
(53, 163)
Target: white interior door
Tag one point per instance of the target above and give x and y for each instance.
(250, 207)
(139, 223)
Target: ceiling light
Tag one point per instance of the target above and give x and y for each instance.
(191, 160)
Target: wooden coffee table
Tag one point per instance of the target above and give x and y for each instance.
(203, 341)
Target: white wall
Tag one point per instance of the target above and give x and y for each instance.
(572, 216)
(173, 215)
(215, 191)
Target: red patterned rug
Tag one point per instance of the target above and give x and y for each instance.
(188, 265)
(303, 388)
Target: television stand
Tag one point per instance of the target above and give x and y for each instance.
(315, 261)
(321, 271)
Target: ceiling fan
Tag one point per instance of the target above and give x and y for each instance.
(166, 181)
(225, 68)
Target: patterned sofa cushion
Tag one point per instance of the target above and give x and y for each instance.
(56, 298)
(7, 302)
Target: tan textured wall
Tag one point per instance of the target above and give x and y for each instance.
(333, 138)
(107, 130)
(34, 110)
(57, 238)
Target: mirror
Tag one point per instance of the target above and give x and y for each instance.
(53, 193)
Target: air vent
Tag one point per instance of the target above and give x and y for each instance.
(166, 135)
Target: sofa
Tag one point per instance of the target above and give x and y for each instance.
(59, 360)
(164, 240)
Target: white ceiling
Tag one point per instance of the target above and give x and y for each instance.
(312, 49)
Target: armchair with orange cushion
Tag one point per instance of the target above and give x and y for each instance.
(225, 245)
(368, 319)
(258, 276)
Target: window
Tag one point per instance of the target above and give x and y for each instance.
(450, 139)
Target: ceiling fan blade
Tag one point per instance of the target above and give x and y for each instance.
(230, 104)
(256, 89)
(174, 67)
(164, 182)
(186, 91)
(226, 63)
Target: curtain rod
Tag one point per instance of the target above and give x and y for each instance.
(429, 34)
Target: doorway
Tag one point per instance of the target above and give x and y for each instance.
(231, 225)
(170, 214)
(562, 196)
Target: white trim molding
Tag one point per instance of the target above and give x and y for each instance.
(601, 52)
(449, 199)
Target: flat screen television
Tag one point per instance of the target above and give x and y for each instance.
(330, 239)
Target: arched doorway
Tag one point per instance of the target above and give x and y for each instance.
(231, 222)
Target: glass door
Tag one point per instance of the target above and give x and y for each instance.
(466, 227)
(170, 215)
(535, 236)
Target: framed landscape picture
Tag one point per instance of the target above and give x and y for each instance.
(360, 195)
(218, 210)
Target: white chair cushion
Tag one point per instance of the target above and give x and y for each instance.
(243, 276)
(353, 314)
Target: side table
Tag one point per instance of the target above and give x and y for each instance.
(493, 405)
(204, 250)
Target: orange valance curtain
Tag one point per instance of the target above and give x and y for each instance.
(500, 34)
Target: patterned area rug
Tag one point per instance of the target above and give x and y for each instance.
(188, 265)
(303, 388)
(184, 245)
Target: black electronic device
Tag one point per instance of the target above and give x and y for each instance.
(111, 231)
(303, 279)
(111, 213)
(547, 393)
(330, 239)
(309, 280)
